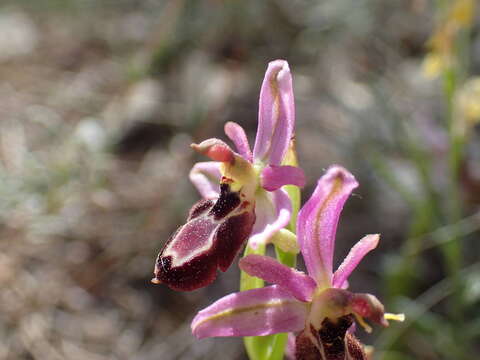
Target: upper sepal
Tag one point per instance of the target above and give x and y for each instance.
(212, 236)
(276, 114)
(318, 220)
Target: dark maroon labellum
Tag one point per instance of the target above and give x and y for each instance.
(306, 348)
(210, 240)
(331, 342)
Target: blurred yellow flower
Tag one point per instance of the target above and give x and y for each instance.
(441, 43)
(462, 12)
(467, 106)
(433, 65)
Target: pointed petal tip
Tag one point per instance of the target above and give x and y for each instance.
(356, 254)
(335, 172)
(374, 239)
(194, 327)
(318, 220)
(255, 312)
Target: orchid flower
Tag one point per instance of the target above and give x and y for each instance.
(242, 191)
(317, 307)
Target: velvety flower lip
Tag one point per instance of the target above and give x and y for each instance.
(319, 300)
(190, 258)
(215, 231)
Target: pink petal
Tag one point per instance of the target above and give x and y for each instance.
(276, 114)
(356, 254)
(295, 282)
(263, 311)
(274, 177)
(272, 210)
(236, 133)
(215, 149)
(206, 178)
(318, 220)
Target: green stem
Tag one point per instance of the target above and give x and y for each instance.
(270, 347)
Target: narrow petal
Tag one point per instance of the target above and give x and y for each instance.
(274, 177)
(295, 282)
(215, 149)
(276, 114)
(272, 212)
(236, 133)
(318, 220)
(263, 311)
(206, 178)
(356, 254)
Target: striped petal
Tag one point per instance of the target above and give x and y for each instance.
(257, 312)
(318, 220)
(276, 114)
(295, 282)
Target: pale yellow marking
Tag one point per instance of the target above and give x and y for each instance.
(363, 324)
(336, 187)
(237, 311)
(395, 317)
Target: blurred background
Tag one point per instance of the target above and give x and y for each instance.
(99, 101)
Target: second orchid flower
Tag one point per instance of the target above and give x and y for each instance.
(316, 307)
(242, 191)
